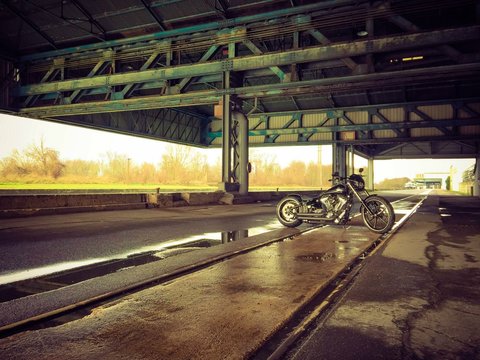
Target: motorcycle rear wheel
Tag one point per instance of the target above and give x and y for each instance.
(381, 217)
(287, 210)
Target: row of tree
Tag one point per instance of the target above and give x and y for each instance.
(178, 165)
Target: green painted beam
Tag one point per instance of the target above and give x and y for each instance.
(328, 52)
(214, 96)
(133, 104)
(254, 49)
(208, 54)
(358, 127)
(319, 85)
(461, 103)
(322, 39)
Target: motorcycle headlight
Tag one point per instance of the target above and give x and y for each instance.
(360, 185)
(357, 181)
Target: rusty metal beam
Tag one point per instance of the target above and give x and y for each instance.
(328, 52)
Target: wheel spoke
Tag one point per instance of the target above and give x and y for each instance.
(384, 221)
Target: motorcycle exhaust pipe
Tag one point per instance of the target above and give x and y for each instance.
(310, 217)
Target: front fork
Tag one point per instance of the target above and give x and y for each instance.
(357, 195)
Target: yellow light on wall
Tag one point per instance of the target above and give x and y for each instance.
(413, 58)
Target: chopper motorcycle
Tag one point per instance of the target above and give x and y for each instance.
(334, 206)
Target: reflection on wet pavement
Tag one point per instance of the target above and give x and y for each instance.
(100, 266)
(221, 311)
(45, 270)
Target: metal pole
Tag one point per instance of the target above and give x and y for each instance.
(352, 161)
(339, 159)
(370, 175)
(242, 121)
(320, 167)
(226, 131)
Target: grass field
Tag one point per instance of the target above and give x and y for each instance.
(146, 187)
(133, 187)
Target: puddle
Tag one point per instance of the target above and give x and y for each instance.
(444, 212)
(93, 267)
(402, 211)
(46, 270)
(316, 257)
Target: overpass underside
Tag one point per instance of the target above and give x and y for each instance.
(386, 79)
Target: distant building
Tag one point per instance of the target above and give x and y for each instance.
(431, 181)
(411, 185)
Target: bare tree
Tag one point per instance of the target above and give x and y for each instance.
(82, 169)
(37, 160)
(295, 174)
(468, 175)
(116, 167)
(46, 160)
(175, 164)
(265, 170)
(145, 173)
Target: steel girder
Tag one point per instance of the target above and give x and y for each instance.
(214, 96)
(161, 82)
(375, 130)
(160, 124)
(327, 52)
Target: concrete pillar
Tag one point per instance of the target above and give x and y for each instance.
(370, 175)
(339, 159)
(476, 183)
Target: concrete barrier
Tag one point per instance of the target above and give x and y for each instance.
(10, 202)
(43, 204)
(201, 198)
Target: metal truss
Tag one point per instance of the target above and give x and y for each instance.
(163, 124)
(442, 149)
(138, 85)
(327, 52)
(375, 130)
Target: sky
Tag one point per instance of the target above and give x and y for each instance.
(75, 142)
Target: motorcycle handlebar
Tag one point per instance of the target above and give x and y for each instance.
(336, 176)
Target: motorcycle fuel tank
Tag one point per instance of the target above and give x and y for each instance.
(337, 189)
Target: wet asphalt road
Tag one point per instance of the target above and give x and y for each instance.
(92, 237)
(46, 244)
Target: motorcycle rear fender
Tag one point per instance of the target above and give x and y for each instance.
(299, 197)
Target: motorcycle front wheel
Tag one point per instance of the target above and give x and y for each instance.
(287, 210)
(381, 216)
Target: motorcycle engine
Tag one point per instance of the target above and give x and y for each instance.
(333, 204)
